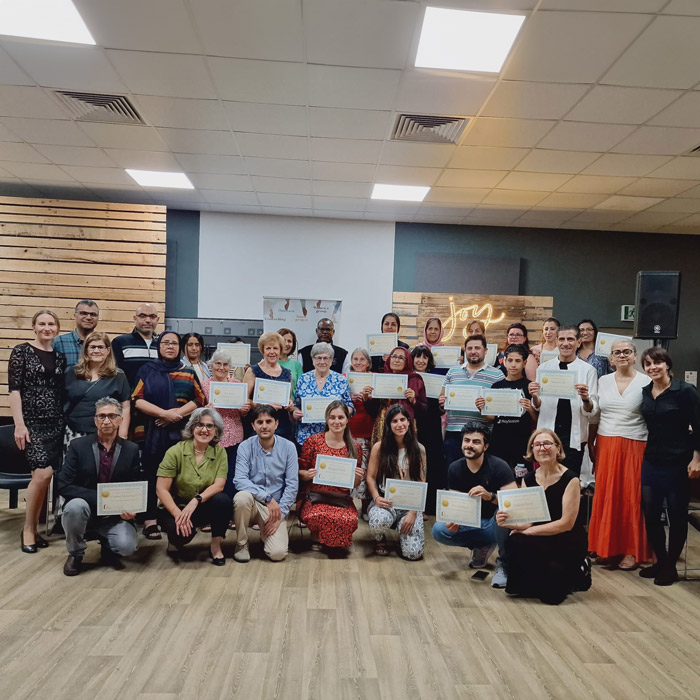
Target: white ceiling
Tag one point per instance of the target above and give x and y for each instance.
(286, 107)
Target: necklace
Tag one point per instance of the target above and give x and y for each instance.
(200, 452)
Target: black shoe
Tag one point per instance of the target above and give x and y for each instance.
(666, 576)
(40, 541)
(27, 548)
(217, 561)
(73, 565)
(109, 558)
(651, 571)
(57, 528)
(584, 579)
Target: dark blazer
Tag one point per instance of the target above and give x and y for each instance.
(338, 358)
(79, 474)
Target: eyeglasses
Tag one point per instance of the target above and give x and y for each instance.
(542, 445)
(322, 358)
(169, 344)
(516, 334)
(397, 357)
(220, 365)
(622, 353)
(143, 317)
(206, 426)
(97, 347)
(104, 417)
(90, 314)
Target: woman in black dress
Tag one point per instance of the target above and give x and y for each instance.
(548, 560)
(36, 399)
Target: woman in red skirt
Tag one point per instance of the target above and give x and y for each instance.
(328, 511)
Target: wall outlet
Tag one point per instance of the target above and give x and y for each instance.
(691, 377)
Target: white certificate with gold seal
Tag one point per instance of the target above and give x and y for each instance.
(459, 508)
(270, 391)
(228, 394)
(239, 352)
(528, 505)
(314, 408)
(122, 497)
(406, 495)
(390, 386)
(381, 343)
(433, 384)
(557, 383)
(502, 402)
(462, 397)
(357, 381)
(446, 355)
(335, 471)
(604, 343)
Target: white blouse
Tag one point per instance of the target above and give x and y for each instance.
(620, 415)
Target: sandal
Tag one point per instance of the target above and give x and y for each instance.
(231, 525)
(629, 563)
(316, 547)
(380, 548)
(151, 532)
(206, 528)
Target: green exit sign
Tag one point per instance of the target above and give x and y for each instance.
(627, 312)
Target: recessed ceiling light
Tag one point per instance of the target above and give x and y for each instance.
(53, 20)
(400, 193)
(155, 178)
(464, 40)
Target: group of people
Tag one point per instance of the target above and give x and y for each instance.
(139, 406)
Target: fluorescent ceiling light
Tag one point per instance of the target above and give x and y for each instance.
(400, 193)
(53, 20)
(154, 178)
(464, 40)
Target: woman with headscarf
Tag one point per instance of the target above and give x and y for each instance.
(166, 392)
(390, 324)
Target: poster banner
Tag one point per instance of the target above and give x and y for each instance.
(300, 316)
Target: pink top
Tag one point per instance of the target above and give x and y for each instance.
(233, 428)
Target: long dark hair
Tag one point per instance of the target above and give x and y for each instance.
(347, 435)
(389, 450)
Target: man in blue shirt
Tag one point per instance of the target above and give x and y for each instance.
(87, 316)
(266, 481)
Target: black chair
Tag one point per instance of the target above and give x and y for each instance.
(14, 472)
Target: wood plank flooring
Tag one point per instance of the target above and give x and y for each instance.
(312, 627)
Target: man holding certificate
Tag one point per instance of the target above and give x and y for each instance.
(481, 476)
(566, 396)
(100, 458)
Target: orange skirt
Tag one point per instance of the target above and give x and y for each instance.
(617, 522)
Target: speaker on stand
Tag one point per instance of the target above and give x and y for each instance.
(657, 305)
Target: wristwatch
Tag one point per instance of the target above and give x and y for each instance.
(198, 497)
(268, 498)
(493, 495)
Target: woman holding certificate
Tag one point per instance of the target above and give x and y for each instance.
(398, 456)
(671, 409)
(271, 346)
(617, 529)
(547, 559)
(321, 382)
(327, 509)
(548, 344)
(390, 324)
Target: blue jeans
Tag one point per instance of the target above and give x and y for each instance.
(474, 537)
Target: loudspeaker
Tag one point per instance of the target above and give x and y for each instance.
(658, 295)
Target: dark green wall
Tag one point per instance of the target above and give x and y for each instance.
(182, 281)
(589, 273)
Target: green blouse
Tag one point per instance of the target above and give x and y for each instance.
(294, 366)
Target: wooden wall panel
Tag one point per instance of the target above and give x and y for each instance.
(55, 252)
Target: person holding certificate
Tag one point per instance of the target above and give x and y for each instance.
(516, 334)
(192, 349)
(320, 382)
(567, 415)
(391, 323)
(548, 344)
(328, 511)
(480, 475)
(398, 456)
(286, 359)
(99, 458)
(547, 560)
(271, 346)
(671, 409)
(589, 335)
(190, 486)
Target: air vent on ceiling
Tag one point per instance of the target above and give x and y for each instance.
(93, 107)
(428, 128)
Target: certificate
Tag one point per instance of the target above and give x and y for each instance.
(390, 386)
(335, 471)
(240, 353)
(604, 343)
(547, 355)
(446, 355)
(461, 397)
(122, 497)
(459, 508)
(228, 394)
(524, 505)
(406, 495)
(433, 384)
(314, 408)
(269, 391)
(557, 383)
(491, 352)
(382, 343)
(502, 402)
(359, 380)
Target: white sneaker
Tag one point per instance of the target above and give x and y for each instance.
(500, 578)
(481, 556)
(242, 554)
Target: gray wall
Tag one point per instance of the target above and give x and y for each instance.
(182, 280)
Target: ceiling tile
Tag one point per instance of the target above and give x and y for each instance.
(182, 113)
(621, 105)
(666, 55)
(543, 161)
(36, 171)
(683, 112)
(350, 172)
(571, 47)
(456, 195)
(335, 213)
(287, 120)
(487, 131)
(514, 197)
(660, 140)
(446, 209)
(230, 197)
(397, 210)
(163, 74)
(124, 136)
(416, 154)
(266, 29)
(359, 33)
(7, 135)
(341, 203)
(10, 72)
(624, 203)
(199, 141)
(435, 92)
(405, 175)
(200, 163)
(585, 136)
(345, 150)
(33, 102)
(74, 155)
(546, 217)
(487, 158)
(275, 82)
(545, 182)
(221, 181)
(561, 200)
(65, 133)
(98, 176)
(357, 88)
(681, 168)
(682, 7)
(281, 185)
(272, 146)
(298, 201)
(20, 152)
(625, 165)
(143, 160)
(598, 218)
(470, 178)
(692, 192)
(604, 5)
(658, 187)
(532, 100)
(328, 189)
(276, 167)
(678, 205)
(650, 219)
(596, 184)
(349, 123)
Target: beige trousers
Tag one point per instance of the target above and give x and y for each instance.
(246, 512)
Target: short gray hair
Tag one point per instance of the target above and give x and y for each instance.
(619, 341)
(364, 352)
(196, 416)
(109, 401)
(220, 356)
(318, 348)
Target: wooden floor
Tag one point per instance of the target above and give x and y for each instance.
(314, 627)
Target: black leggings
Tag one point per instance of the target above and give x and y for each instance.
(670, 484)
(217, 512)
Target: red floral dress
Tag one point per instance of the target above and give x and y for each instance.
(332, 525)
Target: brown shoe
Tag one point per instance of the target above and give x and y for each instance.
(73, 565)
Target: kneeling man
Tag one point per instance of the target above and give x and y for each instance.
(91, 460)
(482, 475)
(266, 481)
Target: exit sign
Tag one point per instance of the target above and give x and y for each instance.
(627, 312)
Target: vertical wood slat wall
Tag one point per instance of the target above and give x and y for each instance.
(55, 252)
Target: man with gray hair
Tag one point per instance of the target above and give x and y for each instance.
(87, 316)
(95, 459)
